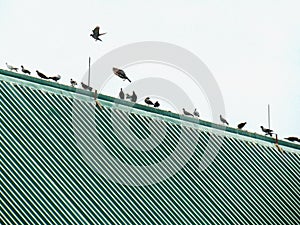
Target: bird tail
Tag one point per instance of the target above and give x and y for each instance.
(128, 80)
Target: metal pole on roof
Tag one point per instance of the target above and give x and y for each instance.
(269, 116)
(89, 77)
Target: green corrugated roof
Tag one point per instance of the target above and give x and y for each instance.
(50, 155)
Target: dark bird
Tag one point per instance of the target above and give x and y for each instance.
(86, 87)
(187, 113)
(132, 97)
(156, 104)
(96, 34)
(73, 82)
(55, 78)
(267, 131)
(292, 139)
(11, 68)
(25, 71)
(223, 120)
(41, 75)
(196, 113)
(148, 101)
(121, 94)
(241, 125)
(120, 73)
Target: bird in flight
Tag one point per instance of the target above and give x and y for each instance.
(241, 125)
(148, 101)
(96, 34)
(267, 131)
(196, 113)
(120, 73)
(223, 120)
(121, 94)
(86, 87)
(73, 82)
(187, 113)
(25, 71)
(156, 104)
(132, 97)
(11, 68)
(293, 139)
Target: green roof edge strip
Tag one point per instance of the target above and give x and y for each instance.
(148, 109)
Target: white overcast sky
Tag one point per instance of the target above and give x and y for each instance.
(251, 47)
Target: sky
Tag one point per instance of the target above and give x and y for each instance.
(252, 48)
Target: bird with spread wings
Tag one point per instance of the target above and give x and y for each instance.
(96, 34)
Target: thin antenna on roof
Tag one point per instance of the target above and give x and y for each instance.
(89, 78)
(269, 116)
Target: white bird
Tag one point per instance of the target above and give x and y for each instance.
(11, 67)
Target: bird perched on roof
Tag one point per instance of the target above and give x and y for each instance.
(196, 113)
(223, 120)
(293, 139)
(55, 78)
(11, 68)
(132, 97)
(241, 125)
(41, 75)
(86, 87)
(187, 113)
(120, 73)
(267, 131)
(148, 101)
(25, 71)
(73, 82)
(121, 94)
(96, 34)
(156, 104)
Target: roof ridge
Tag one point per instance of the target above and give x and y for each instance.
(148, 109)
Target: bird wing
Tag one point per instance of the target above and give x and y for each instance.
(102, 34)
(96, 31)
(121, 73)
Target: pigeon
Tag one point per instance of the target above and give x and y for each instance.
(41, 75)
(121, 94)
(187, 113)
(96, 34)
(267, 131)
(148, 101)
(55, 78)
(292, 139)
(223, 120)
(73, 82)
(25, 71)
(132, 97)
(86, 87)
(156, 104)
(196, 113)
(120, 73)
(241, 125)
(11, 67)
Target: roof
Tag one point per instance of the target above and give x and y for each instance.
(66, 160)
